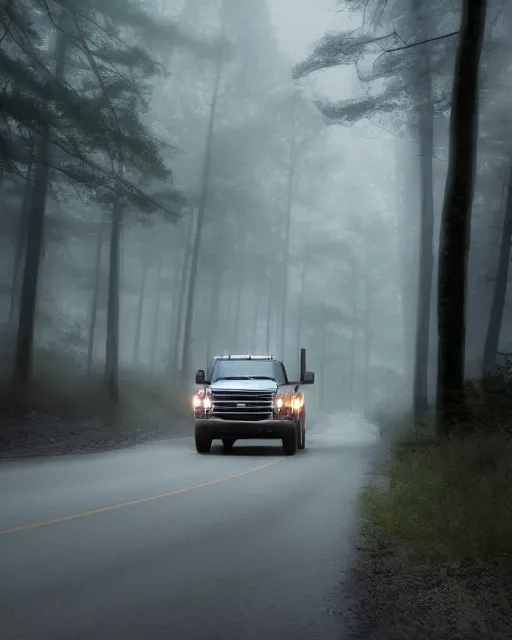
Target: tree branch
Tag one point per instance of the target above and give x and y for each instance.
(417, 44)
(414, 44)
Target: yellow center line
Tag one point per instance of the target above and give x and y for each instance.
(132, 503)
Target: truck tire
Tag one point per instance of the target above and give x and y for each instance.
(228, 443)
(203, 443)
(290, 443)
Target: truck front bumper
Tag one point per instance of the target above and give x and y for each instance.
(217, 428)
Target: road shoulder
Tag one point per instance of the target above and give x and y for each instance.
(397, 593)
(39, 435)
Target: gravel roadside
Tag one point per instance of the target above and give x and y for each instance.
(394, 595)
(36, 435)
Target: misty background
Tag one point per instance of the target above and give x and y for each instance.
(206, 185)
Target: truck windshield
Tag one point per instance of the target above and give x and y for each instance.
(229, 369)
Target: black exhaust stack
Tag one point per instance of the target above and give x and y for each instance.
(302, 364)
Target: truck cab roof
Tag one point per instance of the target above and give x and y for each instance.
(249, 356)
(248, 367)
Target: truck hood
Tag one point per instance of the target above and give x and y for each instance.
(244, 385)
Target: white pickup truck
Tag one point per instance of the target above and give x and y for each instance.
(250, 397)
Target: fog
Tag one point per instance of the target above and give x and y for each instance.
(215, 176)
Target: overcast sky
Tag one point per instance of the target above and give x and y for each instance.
(300, 22)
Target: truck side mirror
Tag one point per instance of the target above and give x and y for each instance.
(200, 376)
(309, 378)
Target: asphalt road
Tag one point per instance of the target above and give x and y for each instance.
(158, 542)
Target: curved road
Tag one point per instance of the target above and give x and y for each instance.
(158, 542)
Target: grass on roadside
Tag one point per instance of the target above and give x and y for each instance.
(438, 533)
(451, 501)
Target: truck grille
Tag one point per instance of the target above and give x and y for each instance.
(242, 405)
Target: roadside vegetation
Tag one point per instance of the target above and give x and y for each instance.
(450, 500)
(436, 530)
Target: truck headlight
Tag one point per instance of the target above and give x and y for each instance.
(278, 402)
(200, 401)
(287, 403)
(297, 403)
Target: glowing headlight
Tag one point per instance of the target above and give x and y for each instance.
(201, 401)
(297, 404)
(278, 403)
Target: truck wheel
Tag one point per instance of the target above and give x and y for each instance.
(203, 443)
(290, 443)
(228, 443)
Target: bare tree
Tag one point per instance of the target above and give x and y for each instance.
(500, 289)
(456, 218)
(35, 233)
(425, 115)
(205, 183)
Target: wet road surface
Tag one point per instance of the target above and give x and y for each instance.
(158, 542)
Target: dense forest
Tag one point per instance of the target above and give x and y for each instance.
(419, 86)
(175, 186)
(173, 190)
(163, 204)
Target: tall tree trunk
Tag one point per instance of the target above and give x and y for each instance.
(425, 272)
(500, 289)
(269, 315)
(140, 307)
(353, 355)
(156, 320)
(33, 252)
(409, 270)
(256, 316)
(426, 238)
(35, 235)
(176, 350)
(95, 298)
(112, 342)
(456, 218)
(367, 336)
(21, 239)
(238, 315)
(287, 233)
(216, 292)
(239, 294)
(231, 309)
(209, 337)
(322, 370)
(304, 275)
(205, 182)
